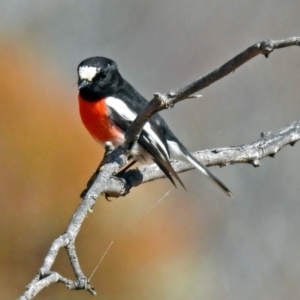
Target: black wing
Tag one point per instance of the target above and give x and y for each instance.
(151, 137)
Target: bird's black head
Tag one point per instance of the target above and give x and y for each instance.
(98, 77)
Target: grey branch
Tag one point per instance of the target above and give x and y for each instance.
(161, 102)
(103, 182)
(268, 145)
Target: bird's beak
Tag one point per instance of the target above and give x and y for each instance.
(82, 83)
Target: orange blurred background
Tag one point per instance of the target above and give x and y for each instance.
(46, 159)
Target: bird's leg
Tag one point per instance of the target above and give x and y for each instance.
(126, 167)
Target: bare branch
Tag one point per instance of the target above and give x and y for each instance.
(268, 145)
(264, 47)
(104, 182)
(39, 285)
(161, 102)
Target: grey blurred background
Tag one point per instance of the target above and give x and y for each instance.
(191, 245)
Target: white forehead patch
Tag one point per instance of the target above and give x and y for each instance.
(88, 72)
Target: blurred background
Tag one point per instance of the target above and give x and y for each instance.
(167, 243)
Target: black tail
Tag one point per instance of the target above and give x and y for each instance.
(205, 171)
(168, 170)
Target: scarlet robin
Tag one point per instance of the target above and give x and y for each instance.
(108, 104)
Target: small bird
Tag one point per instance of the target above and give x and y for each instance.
(108, 104)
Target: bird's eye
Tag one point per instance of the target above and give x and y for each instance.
(102, 75)
(104, 72)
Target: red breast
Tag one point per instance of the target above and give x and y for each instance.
(95, 117)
